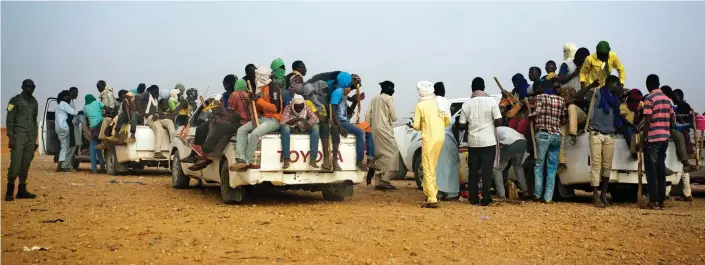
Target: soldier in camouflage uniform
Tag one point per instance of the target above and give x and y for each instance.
(22, 133)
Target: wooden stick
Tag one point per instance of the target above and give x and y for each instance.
(639, 170)
(254, 106)
(695, 138)
(357, 95)
(533, 131)
(591, 108)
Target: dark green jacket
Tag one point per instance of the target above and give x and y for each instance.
(22, 116)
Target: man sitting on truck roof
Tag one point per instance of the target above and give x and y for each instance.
(299, 117)
(269, 104)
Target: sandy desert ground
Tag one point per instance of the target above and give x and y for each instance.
(151, 223)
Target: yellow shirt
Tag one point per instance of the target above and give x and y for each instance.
(625, 112)
(592, 69)
(313, 107)
(427, 120)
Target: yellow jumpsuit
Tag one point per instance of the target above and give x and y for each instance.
(428, 120)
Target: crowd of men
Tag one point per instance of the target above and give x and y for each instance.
(534, 118)
(583, 97)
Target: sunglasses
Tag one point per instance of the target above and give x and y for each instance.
(30, 86)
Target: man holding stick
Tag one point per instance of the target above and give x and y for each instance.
(269, 104)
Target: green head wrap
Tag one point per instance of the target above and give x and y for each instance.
(603, 47)
(89, 99)
(278, 73)
(241, 85)
(277, 68)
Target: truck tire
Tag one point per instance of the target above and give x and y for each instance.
(179, 180)
(418, 171)
(401, 174)
(337, 192)
(230, 195)
(112, 166)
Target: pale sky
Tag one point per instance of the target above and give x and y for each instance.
(64, 44)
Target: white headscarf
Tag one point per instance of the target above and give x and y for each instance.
(425, 89)
(426, 92)
(262, 78)
(174, 94)
(569, 50)
(298, 99)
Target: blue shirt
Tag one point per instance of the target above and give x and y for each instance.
(338, 98)
(564, 69)
(62, 114)
(226, 95)
(94, 113)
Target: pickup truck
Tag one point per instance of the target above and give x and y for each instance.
(266, 169)
(623, 178)
(137, 155)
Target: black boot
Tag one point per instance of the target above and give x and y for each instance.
(22, 192)
(603, 191)
(10, 192)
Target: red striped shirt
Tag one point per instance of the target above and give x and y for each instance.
(659, 107)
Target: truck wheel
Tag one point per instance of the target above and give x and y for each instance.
(113, 167)
(337, 192)
(418, 171)
(625, 194)
(230, 195)
(401, 174)
(179, 180)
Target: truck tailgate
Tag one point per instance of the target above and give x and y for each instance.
(271, 159)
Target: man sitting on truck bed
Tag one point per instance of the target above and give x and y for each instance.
(223, 122)
(127, 113)
(149, 110)
(339, 107)
(299, 117)
(269, 103)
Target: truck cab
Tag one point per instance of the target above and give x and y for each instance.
(266, 169)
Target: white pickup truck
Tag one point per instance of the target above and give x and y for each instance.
(234, 185)
(623, 178)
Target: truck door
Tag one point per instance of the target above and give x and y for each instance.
(50, 144)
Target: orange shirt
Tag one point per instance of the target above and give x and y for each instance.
(269, 103)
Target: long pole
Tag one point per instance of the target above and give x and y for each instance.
(639, 170)
(696, 139)
(533, 130)
(254, 107)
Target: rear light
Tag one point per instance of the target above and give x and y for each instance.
(257, 158)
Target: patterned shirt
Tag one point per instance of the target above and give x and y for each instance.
(310, 117)
(658, 105)
(240, 104)
(550, 113)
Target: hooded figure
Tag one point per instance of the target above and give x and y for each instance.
(521, 86)
(428, 120)
(278, 72)
(569, 50)
(381, 116)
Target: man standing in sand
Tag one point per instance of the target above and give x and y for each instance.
(22, 135)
